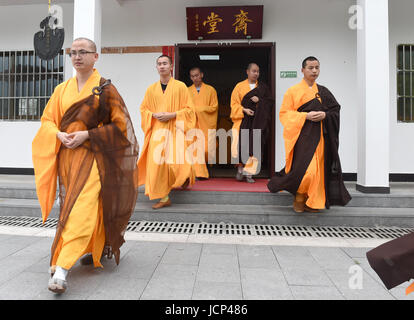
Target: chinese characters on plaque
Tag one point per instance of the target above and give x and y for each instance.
(230, 22)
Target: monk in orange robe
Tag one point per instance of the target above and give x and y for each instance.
(310, 118)
(205, 102)
(167, 115)
(86, 140)
(251, 106)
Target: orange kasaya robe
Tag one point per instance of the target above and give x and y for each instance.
(237, 115)
(165, 161)
(206, 109)
(312, 184)
(84, 230)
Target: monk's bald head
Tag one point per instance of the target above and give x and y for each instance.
(90, 43)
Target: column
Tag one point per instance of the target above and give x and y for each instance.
(373, 98)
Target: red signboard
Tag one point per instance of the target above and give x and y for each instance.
(230, 22)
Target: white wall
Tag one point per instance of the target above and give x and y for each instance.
(299, 27)
(402, 134)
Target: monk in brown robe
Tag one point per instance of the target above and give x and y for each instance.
(310, 118)
(251, 108)
(87, 141)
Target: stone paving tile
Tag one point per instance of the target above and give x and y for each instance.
(356, 252)
(212, 248)
(38, 249)
(316, 293)
(306, 275)
(399, 292)
(13, 266)
(24, 286)
(331, 258)
(182, 253)
(120, 288)
(171, 282)
(15, 244)
(208, 290)
(218, 268)
(264, 284)
(371, 290)
(292, 257)
(256, 257)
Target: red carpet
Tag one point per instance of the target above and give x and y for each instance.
(230, 184)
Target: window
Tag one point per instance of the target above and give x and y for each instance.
(26, 83)
(405, 83)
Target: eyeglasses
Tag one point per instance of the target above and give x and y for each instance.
(81, 53)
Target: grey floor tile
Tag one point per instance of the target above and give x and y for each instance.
(331, 258)
(207, 290)
(12, 266)
(316, 293)
(288, 256)
(24, 286)
(356, 252)
(256, 257)
(370, 289)
(306, 276)
(120, 288)
(264, 284)
(182, 253)
(218, 268)
(213, 248)
(399, 292)
(171, 282)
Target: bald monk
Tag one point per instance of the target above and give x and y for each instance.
(310, 118)
(167, 115)
(251, 108)
(205, 102)
(87, 142)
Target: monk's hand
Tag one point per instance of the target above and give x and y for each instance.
(249, 112)
(254, 99)
(63, 137)
(166, 116)
(315, 116)
(77, 138)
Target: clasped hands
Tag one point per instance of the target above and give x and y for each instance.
(250, 112)
(74, 139)
(164, 116)
(316, 116)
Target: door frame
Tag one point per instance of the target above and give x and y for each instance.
(271, 70)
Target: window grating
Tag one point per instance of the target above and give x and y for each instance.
(26, 83)
(405, 83)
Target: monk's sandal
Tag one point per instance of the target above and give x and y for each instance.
(57, 285)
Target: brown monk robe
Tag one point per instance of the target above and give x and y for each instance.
(313, 171)
(260, 120)
(86, 140)
(393, 261)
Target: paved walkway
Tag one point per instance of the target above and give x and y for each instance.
(184, 270)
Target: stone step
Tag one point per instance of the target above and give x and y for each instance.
(243, 214)
(393, 200)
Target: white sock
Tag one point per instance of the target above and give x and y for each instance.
(240, 169)
(60, 273)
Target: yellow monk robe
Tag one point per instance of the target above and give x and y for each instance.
(206, 109)
(237, 115)
(313, 181)
(84, 231)
(163, 163)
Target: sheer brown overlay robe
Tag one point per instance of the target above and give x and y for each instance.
(260, 120)
(305, 146)
(112, 143)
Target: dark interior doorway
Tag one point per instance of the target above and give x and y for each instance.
(223, 73)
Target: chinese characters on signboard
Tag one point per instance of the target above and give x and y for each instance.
(230, 22)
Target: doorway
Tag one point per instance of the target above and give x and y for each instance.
(224, 65)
